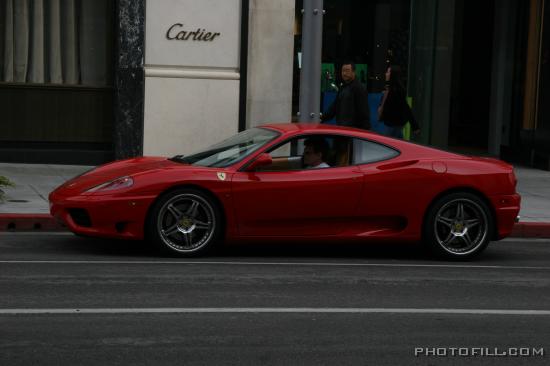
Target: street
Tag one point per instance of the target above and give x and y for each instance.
(81, 301)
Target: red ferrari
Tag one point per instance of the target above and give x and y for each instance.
(297, 182)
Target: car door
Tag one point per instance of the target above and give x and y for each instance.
(296, 202)
(387, 197)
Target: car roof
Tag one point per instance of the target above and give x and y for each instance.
(417, 151)
(311, 126)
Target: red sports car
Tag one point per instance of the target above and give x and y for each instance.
(297, 182)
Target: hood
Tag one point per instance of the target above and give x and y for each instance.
(132, 166)
(117, 169)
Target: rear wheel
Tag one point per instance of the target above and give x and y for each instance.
(458, 226)
(185, 222)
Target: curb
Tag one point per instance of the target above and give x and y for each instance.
(29, 222)
(531, 230)
(45, 222)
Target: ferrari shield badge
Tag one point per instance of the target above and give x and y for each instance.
(221, 176)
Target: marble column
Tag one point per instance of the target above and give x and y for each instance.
(129, 79)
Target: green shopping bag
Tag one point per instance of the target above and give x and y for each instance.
(407, 127)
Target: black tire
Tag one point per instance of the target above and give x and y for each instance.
(185, 222)
(458, 226)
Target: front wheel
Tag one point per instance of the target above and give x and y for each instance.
(184, 222)
(458, 226)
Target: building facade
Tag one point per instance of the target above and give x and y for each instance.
(89, 81)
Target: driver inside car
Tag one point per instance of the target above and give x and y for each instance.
(315, 151)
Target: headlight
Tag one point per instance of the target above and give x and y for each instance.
(119, 183)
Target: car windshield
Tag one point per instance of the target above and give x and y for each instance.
(232, 150)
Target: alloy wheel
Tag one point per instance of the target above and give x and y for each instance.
(186, 222)
(461, 226)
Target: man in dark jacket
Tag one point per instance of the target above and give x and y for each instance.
(351, 106)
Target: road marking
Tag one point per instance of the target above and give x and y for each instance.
(277, 310)
(34, 233)
(238, 263)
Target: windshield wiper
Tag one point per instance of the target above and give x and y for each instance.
(178, 159)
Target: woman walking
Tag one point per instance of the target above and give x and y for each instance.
(394, 110)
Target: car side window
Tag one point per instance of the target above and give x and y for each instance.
(310, 152)
(365, 152)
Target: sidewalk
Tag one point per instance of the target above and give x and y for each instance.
(26, 206)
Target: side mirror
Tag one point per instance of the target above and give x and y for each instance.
(263, 160)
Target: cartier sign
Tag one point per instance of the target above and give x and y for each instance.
(191, 33)
(179, 33)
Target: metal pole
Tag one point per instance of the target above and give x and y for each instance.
(310, 75)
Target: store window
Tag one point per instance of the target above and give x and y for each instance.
(372, 34)
(56, 73)
(544, 83)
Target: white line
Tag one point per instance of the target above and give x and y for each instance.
(276, 310)
(237, 263)
(35, 233)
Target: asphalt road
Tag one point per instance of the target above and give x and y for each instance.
(66, 300)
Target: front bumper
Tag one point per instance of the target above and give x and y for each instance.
(107, 216)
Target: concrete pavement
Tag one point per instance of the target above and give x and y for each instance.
(33, 184)
(534, 187)
(26, 206)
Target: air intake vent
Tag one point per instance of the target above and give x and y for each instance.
(80, 217)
